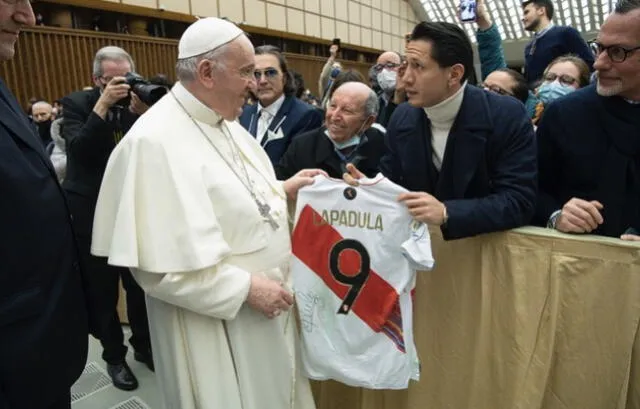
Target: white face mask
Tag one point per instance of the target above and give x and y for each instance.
(353, 141)
(387, 80)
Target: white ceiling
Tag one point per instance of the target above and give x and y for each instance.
(584, 15)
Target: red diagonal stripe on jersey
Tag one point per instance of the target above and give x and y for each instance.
(313, 240)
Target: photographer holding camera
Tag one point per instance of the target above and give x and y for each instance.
(94, 122)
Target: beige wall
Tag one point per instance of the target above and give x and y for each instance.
(379, 24)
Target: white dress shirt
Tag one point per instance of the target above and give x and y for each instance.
(266, 115)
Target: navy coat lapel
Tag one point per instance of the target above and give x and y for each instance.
(414, 138)
(279, 120)
(249, 118)
(465, 145)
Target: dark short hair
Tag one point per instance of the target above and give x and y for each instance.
(521, 90)
(289, 82)
(449, 45)
(299, 82)
(547, 4)
(625, 6)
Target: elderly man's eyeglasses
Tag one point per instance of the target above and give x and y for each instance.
(564, 79)
(496, 89)
(269, 73)
(388, 65)
(615, 52)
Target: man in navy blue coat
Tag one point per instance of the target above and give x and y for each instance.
(468, 156)
(278, 116)
(43, 316)
(589, 141)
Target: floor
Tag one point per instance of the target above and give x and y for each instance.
(94, 389)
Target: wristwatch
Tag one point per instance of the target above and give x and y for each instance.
(445, 215)
(553, 219)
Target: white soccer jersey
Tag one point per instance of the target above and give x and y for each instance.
(355, 251)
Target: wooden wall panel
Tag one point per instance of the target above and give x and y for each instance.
(311, 67)
(52, 62)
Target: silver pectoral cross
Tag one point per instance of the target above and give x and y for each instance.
(265, 211)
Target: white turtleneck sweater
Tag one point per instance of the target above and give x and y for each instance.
(442, 116)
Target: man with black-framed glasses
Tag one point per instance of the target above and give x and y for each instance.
(589, 144)
(386, 71)
(616, 53)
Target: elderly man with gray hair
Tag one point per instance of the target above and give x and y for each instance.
(191, 205)
(346, 137)
(94, 123)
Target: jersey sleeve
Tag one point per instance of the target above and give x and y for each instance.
(417, 249)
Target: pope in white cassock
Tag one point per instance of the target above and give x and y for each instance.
(190, 203)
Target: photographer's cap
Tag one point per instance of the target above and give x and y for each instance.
(206, 35)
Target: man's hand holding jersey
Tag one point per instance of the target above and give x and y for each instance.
(352, 175)
(422, 206)
(425, 208)
(300, 180)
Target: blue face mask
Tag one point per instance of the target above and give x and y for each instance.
(553, 90)
(335, 72)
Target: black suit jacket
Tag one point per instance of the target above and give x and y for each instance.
(583, 141)
(43, 320)
(488, 176)
(294, 117)
(314, 150)
(89, 141)
(384, 116)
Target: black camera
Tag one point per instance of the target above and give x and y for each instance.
(147, 92)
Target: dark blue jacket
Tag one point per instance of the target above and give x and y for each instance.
(43, 317)
(556, 42)
(488, 176)
(589, 149)
(293, 118)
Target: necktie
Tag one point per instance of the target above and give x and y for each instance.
(264, 118)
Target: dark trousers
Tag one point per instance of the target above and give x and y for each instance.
(101, 285)
(63, 403)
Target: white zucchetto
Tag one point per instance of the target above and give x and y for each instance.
(206, 35)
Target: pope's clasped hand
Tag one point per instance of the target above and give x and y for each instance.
(268, 296)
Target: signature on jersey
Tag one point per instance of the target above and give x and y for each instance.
(308, 304)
